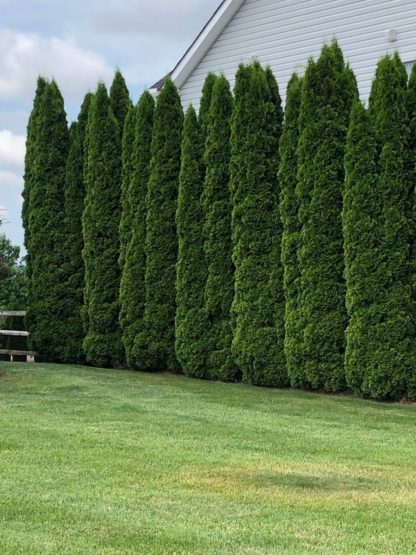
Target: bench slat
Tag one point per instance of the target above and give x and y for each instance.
(15, 333)
(17, 353)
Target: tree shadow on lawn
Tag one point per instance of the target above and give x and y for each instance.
(279, 482)
(296, 480)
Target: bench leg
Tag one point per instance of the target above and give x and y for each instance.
(11, 358)
(30, 358)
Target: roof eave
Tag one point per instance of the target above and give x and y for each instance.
(220, 19)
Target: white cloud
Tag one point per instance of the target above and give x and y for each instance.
(13, 119)
(163, 18)
(11, 180)
(11, 186)
(27, 55)
(12, 150)
(12, 153)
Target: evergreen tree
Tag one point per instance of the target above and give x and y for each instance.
(204, 109)
(327, 95)
(363, 267)
(190, 322)
(289, 207)
(31, 144)
(127, 182)
(132, 287)
(101, 220)
(391, 339)
(13, 292)
(120, 100)
(255, 228)
(219, 290)
(46, 227)
(73, 267)
(155, 344)
(276, 276)
(411, 106)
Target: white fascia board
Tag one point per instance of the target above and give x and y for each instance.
(210, 33)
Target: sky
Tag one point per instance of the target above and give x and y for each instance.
(78, 43)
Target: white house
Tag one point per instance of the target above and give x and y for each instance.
(285, 33)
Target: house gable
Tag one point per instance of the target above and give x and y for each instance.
(285, 33)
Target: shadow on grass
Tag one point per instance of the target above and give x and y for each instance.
(301, 481)
(279, 483)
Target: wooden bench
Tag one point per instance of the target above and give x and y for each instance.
(30, 355)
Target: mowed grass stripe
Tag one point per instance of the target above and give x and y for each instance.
(112, 462)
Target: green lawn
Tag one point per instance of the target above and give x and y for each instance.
(102, 462)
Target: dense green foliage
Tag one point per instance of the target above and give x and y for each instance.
(279, 375)
(124, 113)
(157, 465)
(289, 207)
(31, 142)
(363, 265)
(101, 219)
(120, 100)
(132, 286)
(73, 268)
(327, 94)
(30, 160)
(46, 305)
(411, 107)
(127, 183)
(219, 289)
(190, 321)
(13, 292)
(229, 245)
(391, 337)
(204, 109)
(155, 344)
(256, 130)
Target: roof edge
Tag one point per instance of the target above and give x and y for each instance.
(210, 32)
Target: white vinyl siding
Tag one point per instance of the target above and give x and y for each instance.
(409, 66)
(285, 33)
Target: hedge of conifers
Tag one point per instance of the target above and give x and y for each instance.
(240, 243)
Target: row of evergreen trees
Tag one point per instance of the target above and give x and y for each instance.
(237, 243)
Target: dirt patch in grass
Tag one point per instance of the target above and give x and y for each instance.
(3, 375)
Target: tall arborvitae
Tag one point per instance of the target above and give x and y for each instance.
(391, 339)
(101, 220)
(31, 145)
(127, 182)
(155, 345)
(120, 100)
(363, 265)
(190, 322)
(219, 290)
(327, 95)
(411, 109)
(290, 238)
(73, 267)
(132, 286)
(204, 108)
(255, 228)
(46, 226)
(411, 106)
(276, 275)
